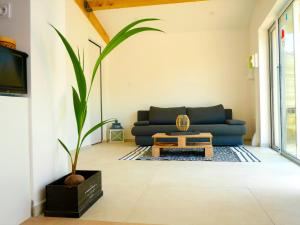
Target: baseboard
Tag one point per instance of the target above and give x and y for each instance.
(37, 210)
(265, 145)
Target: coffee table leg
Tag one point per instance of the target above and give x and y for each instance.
(209, 152)
(181, 142)
(155, 151)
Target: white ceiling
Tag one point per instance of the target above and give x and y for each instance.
(184, 17)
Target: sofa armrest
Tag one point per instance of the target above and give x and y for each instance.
(235, 122)
(141, 123)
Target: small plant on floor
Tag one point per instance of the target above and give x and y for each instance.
(82, 93)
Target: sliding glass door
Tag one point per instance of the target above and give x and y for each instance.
(288, 81)
(284, 42)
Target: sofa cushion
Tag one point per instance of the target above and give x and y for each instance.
(235, 122)
(207, 115)
(143, 115)
(214, 129)
(228, 114)
(141, 123)
(165, 115)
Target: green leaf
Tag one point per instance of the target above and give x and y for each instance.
(78, 55)
(96, 127)
(66, 149)
(84, 113)
(83, 60)
(120, 37)
(131, 25)
(81, 82)
(125, 36)
(77, 109)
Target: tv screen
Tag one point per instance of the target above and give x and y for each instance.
(13, 74)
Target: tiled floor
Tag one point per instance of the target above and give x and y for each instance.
(68, 221)
(195, 193)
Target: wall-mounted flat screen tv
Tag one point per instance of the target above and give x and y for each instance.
(13, 71)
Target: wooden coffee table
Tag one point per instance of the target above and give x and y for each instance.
(181, 143)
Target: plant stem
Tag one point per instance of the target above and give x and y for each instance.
(76, 154)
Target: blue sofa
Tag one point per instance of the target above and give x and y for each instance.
(216, 120)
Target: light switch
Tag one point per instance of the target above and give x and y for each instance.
(5, 10)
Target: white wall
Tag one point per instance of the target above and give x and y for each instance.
(176, 69)
(14, 129)
(14, 161)
(18, 26)
(48, 95)
(262, 9)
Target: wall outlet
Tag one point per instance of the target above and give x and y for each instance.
(5, 10)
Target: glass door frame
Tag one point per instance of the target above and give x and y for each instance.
(275, 28)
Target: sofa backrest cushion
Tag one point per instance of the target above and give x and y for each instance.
(228, 114)
(207, 115)
(143, 115)
(165, 116)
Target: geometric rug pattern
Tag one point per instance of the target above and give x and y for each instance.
(221, 154)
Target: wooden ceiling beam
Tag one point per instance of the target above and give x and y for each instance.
(116, 4)
(93, 20)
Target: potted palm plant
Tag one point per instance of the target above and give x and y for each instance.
(73, 194)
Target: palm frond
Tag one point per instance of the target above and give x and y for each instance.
(81, 82)
(94, 128)
(66, 149)
(78, 109)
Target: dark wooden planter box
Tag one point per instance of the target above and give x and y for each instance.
(73, 201)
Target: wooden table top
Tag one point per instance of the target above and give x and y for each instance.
(201, 135)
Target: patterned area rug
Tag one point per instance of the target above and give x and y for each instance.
(221, 154)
